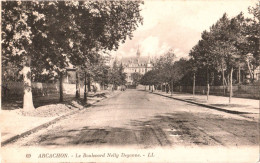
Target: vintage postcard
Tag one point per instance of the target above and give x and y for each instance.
(130, 81)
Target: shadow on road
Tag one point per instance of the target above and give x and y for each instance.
(182, 128)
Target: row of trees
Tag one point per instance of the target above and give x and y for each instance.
(116, 75)
(231, 44)
(136, 76)
(167, 71)
(45, 37)
(101, 72)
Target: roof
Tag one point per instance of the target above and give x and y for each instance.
(135, 60)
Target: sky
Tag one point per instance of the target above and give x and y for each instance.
(177, 25)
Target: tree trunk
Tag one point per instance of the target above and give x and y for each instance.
(89, 88)
(194, 80)
(113, 85)
(228, 79)
(77, 86)
(85, 88)
(161, 87)
(171, 87)
(230, 91)
(207, 84)
(239, 74)
(61, 87)
(27, 83)
(223, 80)
(208, 91)
(213, 78)
(165, 87)
(250, 70)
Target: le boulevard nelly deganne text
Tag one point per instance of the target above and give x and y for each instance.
(93, 155)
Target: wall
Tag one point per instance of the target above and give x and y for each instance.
(15, 89)
(10, 89)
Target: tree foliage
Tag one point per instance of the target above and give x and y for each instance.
(136, 78)
(48, 36)
(230, 45)
(116, 75)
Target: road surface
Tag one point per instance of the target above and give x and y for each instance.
(143, 119)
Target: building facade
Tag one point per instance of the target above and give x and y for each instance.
(136, 64)
(257, 73)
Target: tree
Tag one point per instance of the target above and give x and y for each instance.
(100, 71)
(136, 78)
(231, 40)
(122, 75)
(221, 48)
(116, 75)
(201, 53)
(52, 35)
(150, 78)
(179, 69)
(22, 26)
(163, 66)
(192, 69)
(252, 45)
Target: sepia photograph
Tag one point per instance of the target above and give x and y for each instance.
(130, 81)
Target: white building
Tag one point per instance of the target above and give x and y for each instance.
(136, 64)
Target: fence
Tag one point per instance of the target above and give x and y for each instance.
(15, 89)
(245, 91)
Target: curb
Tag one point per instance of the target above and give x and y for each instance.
(47, 124)
(209, 106)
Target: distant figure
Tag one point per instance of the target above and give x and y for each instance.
(123, 87)
(94, 89)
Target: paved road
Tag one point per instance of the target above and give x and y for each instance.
(146, 120)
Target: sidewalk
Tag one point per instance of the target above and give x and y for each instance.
(15, 124)
(244, 107)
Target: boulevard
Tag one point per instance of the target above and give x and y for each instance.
(142, 119)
